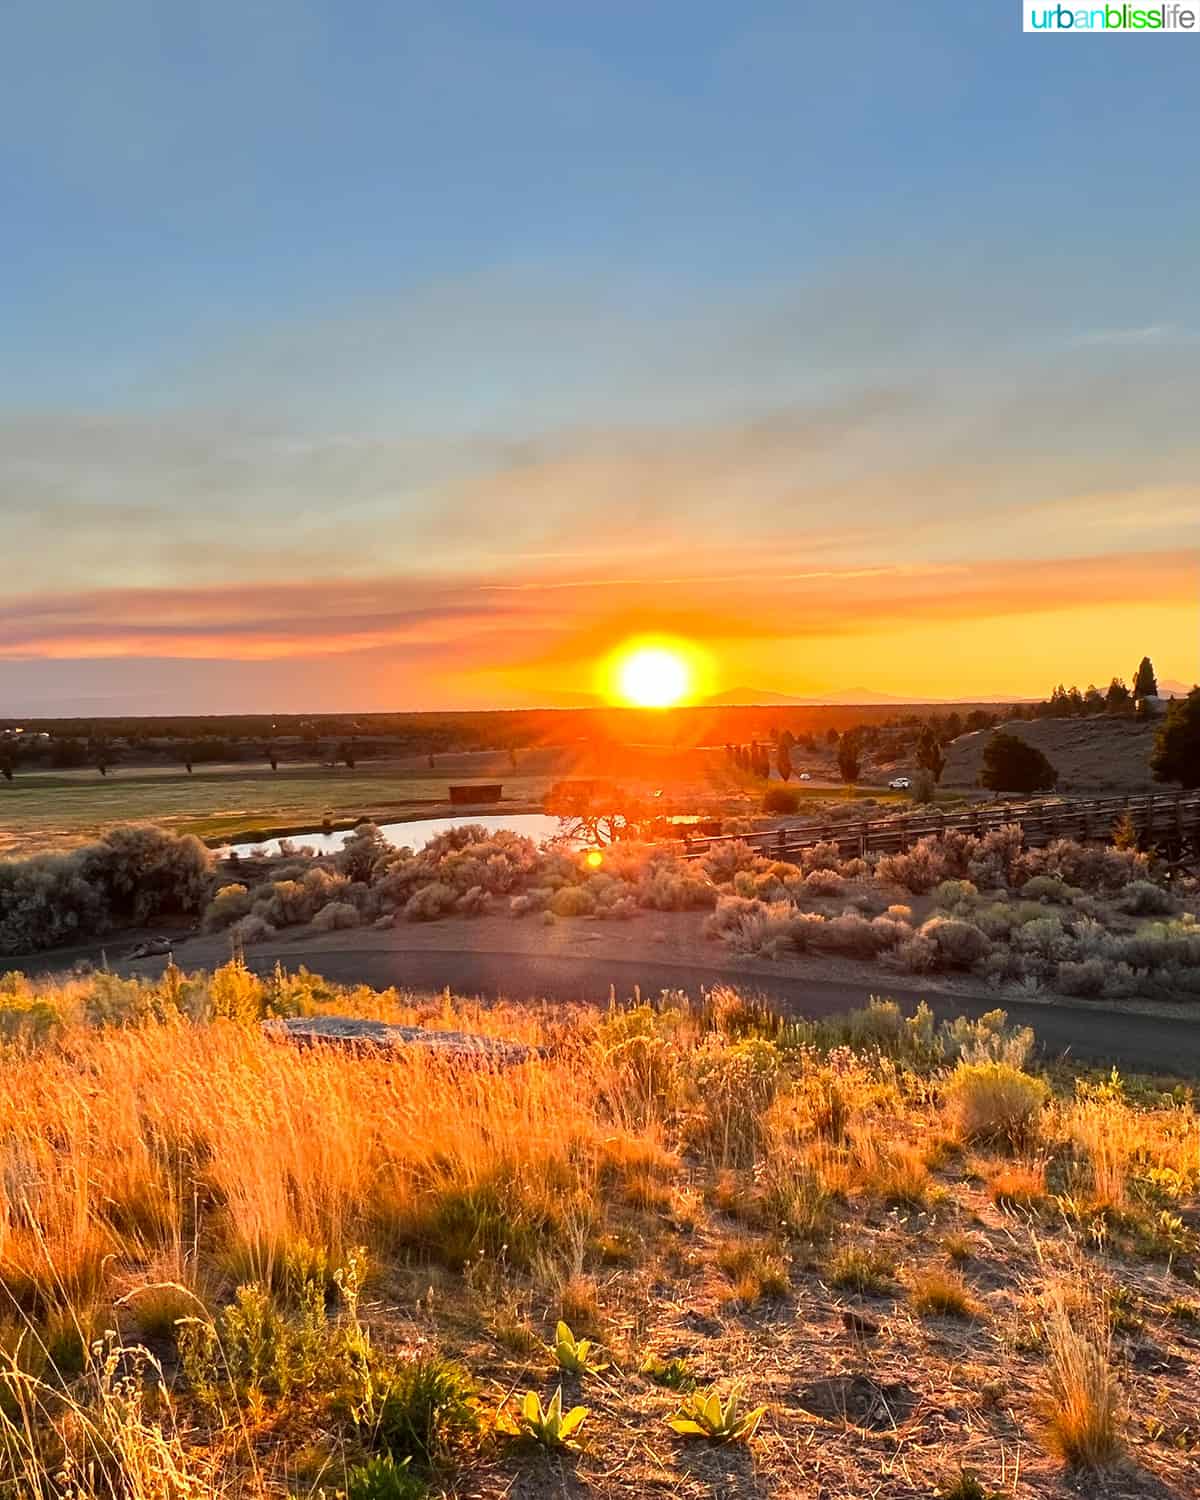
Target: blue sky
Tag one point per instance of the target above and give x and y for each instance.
(452, 297)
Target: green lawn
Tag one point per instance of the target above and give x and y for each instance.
(53, 811)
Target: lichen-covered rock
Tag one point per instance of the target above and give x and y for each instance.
(355, 1033)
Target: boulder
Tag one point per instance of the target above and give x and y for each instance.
(357, 1034)
(155, 947)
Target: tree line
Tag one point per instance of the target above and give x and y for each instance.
(1117, 698)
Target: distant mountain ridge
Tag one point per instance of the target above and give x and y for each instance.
(743, 697)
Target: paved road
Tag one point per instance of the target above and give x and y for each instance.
(1148, 1043)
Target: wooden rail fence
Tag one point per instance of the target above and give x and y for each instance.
(1171, 818)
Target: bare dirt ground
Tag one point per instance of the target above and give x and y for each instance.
(894, 1412)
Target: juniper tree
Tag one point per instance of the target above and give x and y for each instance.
(1176, 755)
(849, 758)
(1011, 764)
(1144, 682)
(929, 753)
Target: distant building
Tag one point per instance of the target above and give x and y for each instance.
(476, 793)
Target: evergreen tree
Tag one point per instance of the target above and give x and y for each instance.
(1011, 764)
(1118, 699)
(1144, 682)
(849, 758)
(929, 753)
(1176, 755)
(783, 759)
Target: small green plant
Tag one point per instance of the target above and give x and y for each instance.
(862, 1271)
(384, 1479)
(255, 1350)
(574, 1355)
(705, 1415)
(1124, 1308)
(1184, 1311)
(422, 1408)
(671, 1374)
(965, 1486)
(549, 1425)
(1161, 1235)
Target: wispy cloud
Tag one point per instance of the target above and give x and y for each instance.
(475, 481)
(1151, 333)
(469, 619)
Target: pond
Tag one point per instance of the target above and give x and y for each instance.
(416, 833)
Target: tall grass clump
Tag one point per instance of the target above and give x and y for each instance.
(1084, 1400)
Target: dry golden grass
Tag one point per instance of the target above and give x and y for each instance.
(754, 1271)
(942, 1294)
(1018, 1184)
(151, 1167)
(1084, 1403)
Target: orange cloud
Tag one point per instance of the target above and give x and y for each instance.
(538, 632)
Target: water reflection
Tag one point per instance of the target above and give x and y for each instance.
(416, 833)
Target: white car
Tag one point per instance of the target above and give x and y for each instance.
(900, 784)
(805, 775)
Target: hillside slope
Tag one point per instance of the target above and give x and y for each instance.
(1100, 754)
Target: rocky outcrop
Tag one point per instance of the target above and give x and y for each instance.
(356, 1034)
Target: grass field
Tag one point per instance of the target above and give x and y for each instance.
(237, 1269)
(56, 811)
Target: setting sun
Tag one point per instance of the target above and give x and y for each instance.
(653, 677)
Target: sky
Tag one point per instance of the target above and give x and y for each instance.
(387, 355)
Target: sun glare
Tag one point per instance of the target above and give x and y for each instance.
(653, 677)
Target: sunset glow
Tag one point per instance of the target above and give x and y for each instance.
(654, 677)
(546, 396)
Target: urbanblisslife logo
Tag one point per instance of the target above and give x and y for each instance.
(1113, 19)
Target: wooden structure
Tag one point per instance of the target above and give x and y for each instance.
(1170, 820)
(471, 794)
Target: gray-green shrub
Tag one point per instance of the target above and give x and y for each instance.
(230, 904)
(1142, 898)
(959, 944)
(336, 916)
(131, 876)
